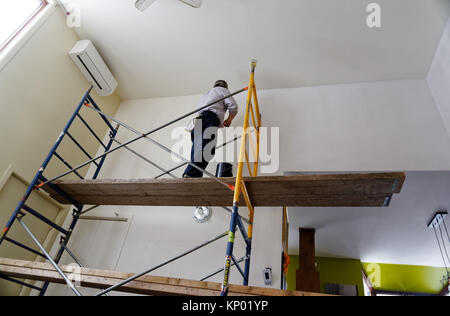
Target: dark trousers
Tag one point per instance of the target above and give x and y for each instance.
(200, 140)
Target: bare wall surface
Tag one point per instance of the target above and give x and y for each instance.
(439, 77)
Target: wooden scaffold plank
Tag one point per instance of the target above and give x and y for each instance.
(324, 190)
(147, 285)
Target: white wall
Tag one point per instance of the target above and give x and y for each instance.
(439, 77)
(370, 126)
(360, 127)
(376, 126)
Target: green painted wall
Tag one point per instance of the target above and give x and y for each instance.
(405, 278)
(332, 270)
(387, 277)
(340, 271)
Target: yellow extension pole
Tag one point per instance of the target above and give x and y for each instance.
(237, 190)
(251, 210)
(258, 129)
(255, 97)
(240, 186)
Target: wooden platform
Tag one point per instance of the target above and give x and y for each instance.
(332, 190)
(147, 285)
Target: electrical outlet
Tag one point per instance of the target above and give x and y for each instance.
(267, 276)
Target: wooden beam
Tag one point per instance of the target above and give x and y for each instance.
(147, 285)
(335, 190)
(104, 218)
(307, 275)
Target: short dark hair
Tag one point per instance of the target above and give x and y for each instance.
(221, 83)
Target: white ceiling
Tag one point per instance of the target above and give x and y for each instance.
(397, 234)
(172, 49)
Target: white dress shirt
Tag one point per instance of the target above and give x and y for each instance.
(221, 107)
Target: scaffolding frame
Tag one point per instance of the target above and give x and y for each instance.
(22, 209)
(240, 187)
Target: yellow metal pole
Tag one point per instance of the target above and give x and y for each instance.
(255, 97)
(248, 164)
(237, 190)
(251, 145)
(258, 129)
(251, 210)
(256, 164)
(253, 116)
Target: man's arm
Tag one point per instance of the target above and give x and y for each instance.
(229, 120)
(232, 108)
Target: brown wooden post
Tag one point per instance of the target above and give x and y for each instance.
(307, 275)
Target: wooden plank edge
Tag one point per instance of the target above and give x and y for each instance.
(145, 285)
(306, 177)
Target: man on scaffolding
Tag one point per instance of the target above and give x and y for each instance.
(205, 126)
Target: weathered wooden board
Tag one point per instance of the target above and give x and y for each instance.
(147, 285)
(324, 190)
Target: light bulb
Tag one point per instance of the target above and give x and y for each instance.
(202, 214)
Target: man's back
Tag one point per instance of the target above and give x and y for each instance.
(219, 108)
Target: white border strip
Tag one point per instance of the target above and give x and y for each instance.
(23, 37)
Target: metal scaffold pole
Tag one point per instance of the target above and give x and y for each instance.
(38, 175)
(137, 276)
(240, 187)
(49, 258)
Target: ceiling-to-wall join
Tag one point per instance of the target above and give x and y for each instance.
(173, 49)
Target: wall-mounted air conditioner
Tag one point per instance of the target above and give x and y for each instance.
(86, 57)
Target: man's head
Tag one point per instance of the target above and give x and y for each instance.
(221, 83)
